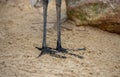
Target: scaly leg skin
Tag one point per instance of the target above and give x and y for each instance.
(58, 10)
(44, 48)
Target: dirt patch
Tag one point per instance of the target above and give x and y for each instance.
(21, 33)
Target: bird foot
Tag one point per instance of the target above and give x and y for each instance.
(50, 51)
(62, 50)
(46, 50)
(56, 52)
(66, 51)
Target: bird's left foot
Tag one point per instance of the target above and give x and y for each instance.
(60, 49)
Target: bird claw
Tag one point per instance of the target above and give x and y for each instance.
(62, 50)
(46, 50)
(52, 52)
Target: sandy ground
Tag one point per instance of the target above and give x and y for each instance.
(20, 33)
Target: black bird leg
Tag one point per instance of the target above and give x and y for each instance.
(59, 48)
(45, 6)
(58, 9)
(45, 49)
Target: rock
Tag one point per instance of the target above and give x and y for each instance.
(104, 14)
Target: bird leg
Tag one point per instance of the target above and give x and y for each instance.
(58, 9)
(45, 49)
(45, 6)
(59, 48)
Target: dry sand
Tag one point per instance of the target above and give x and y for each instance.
(20, 33)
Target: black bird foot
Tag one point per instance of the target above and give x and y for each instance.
(50, 51)
(60, 49)
(46, 50)
(66, 51)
